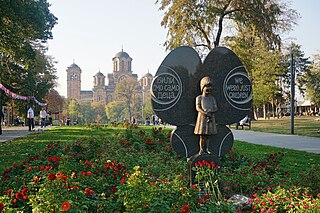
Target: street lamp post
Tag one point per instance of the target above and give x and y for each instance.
(292, 92)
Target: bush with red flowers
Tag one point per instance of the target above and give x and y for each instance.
(127, 168)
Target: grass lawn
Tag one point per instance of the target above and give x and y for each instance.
(19, 149)
(303, 125)
(134, 169)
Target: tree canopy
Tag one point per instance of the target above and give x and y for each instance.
(25, 25)
(200, 23)
(313, 81)
(126, 91)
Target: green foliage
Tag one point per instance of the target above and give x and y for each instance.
(313, 81)
(262, 63)
(128, 168)
(54, 101)
(200, 23)
(296, 199)
(24, 67)
(126, 91)
(114, 110)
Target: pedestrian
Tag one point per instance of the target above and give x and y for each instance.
(30, 116)
(1, 117)
(43, 115)
(50, 118)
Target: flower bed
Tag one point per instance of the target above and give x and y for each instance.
(137, 170)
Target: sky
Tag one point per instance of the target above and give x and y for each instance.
(91, 33)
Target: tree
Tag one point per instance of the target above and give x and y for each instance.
(200, 23)
(24, 26)
(263, 65)
(72, 110)
(147, 108)
(114, 110)
(125, 91)
(86, 112)
(313, 81)
(302, 66)
(54, 101)
(99, 109)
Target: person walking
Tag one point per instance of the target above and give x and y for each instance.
(43, 115)
(1, 118)
(30, 116)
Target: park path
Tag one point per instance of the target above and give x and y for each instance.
(10, 133)
(302, 143)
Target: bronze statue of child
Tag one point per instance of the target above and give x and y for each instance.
(206, 105)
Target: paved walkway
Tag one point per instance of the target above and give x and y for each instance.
(10, 133)
(302, 143)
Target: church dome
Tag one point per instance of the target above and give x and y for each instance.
(74, 66)
(99, 74)
(122, 55)
(148, 75)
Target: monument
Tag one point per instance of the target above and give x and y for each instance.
(200, 99)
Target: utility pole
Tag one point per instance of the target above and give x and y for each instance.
(292, 71)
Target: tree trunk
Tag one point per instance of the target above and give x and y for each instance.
(255, 113)
(264, 111)
(273, 108)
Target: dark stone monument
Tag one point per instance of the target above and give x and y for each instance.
(176, 87)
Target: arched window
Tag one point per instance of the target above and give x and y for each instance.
(109, 98)
(122, 66)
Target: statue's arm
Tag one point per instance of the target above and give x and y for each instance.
(198, 105)
(215, 106)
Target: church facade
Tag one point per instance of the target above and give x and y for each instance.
(101, 91)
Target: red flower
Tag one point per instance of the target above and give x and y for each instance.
(14, 165)
(24, 191)
(250, 163)
(200, 201)
(19, 195)
(122, 181)
(207, 196)
(232, 158)
(65, 206)
(263, 203)
(88, 191)
(1, 206)
(8, 192)
(52, 176)
(113, 189)
(88, 163)
(185, 209)
(89, 173)
(60, 175)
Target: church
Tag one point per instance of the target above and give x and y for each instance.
(101, 91)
